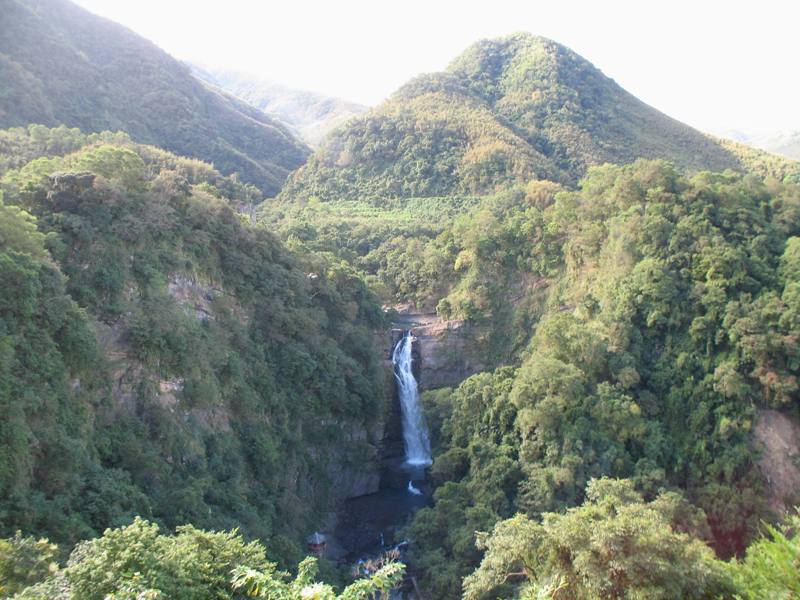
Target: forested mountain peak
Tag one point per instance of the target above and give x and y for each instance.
(506, 111)
(60, 64)
(517, 63)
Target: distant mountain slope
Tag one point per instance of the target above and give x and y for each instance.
(505, 111)
(785, 144)
(310, 114)
(62, 64)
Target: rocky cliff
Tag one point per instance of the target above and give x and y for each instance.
(444, 348)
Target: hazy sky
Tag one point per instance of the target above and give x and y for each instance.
(716, 65)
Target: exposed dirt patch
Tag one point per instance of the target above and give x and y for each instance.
(778, 435)
(195, 297)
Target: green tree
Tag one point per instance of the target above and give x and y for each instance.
(771, 567)
(275, 585)
(613, 546)
(25, 561)
(192, 564)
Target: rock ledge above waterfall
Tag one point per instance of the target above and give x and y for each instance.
(443, 346)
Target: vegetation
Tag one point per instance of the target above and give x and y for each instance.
(613, 546)
(771, 568)
(167, 363)
(61, 65)
(506, 111)
(617, 546)
(24, 562)
(390, 246)
(664, 317)
(138, 562)
(268, 585)
(162, 357)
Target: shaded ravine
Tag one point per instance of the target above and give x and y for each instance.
(369, 525)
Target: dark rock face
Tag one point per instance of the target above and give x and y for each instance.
(777, 435)
(367, 526)
(351, 475)
(392, 445)
(72, 183)
(445, 351)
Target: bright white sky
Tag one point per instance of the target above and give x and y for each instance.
(717, 65)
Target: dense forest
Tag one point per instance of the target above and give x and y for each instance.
(652, 321)
(155, 347)
(193, 377)
(665, 321)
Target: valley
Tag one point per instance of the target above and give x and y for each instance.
(510, 333)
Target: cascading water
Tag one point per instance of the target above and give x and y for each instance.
(367, 525)
(415, 433)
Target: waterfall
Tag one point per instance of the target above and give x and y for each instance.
(415, 434)
(414, 489)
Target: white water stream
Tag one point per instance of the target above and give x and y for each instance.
(415, 433)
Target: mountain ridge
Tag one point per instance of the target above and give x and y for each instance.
(52, 52)
(505, 111)
(311, 115)
(785, 143)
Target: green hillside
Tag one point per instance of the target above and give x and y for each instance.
(59, 64)
(505, 111)
(643, 324)
(161, 357)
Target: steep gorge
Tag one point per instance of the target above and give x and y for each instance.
(231, 383)
(164, 355)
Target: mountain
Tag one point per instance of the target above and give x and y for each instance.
(786, 144)
(311, 115)
(506, 110)
(60, 64)
(783, 143)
